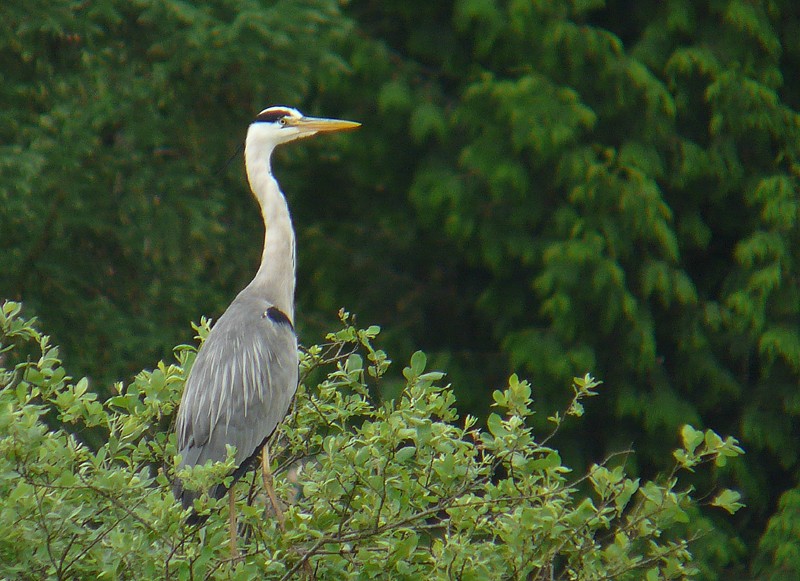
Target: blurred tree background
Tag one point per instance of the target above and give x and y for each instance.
(544, 187)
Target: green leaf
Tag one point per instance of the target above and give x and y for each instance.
(691, 438)
(495, 425)
(418, 362)
(728, 500)
(405, 453)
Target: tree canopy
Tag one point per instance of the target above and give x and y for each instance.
(403, 490)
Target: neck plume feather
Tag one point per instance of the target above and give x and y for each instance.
(275, 278)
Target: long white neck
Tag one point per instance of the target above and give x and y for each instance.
(275, 278)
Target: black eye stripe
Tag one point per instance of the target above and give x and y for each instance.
(272, 115)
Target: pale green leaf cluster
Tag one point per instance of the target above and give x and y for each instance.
(404, 489)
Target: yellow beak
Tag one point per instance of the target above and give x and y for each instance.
(316, 124)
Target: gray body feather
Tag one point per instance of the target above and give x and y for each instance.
(239, 388)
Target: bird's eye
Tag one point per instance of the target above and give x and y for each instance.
(282, 121)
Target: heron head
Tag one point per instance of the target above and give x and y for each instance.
(278, 125)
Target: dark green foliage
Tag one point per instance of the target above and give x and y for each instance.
(115, 197)
(615, 191)
(779, 556)
(543, 187)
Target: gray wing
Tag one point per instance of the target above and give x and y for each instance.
(240, 387)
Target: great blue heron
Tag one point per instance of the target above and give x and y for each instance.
(245, 374)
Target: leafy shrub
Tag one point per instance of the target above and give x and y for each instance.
(401, 489)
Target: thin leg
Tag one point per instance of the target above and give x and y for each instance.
(235, 556)
(266, 473)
